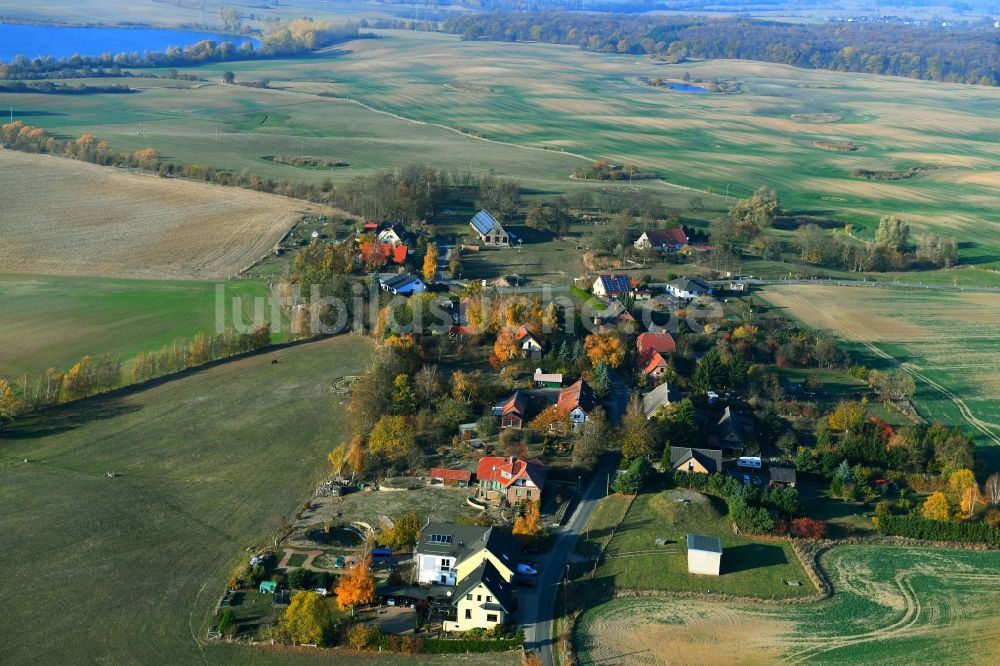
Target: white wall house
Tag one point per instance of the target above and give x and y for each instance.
(704, 554)
(436, 570)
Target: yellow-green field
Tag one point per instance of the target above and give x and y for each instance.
(948, 341)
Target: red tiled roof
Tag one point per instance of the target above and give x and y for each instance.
(651, 361)
(577, 395)
(394, 253)
(667, 237)
(661, 342)
(451, 474)
(509, 470)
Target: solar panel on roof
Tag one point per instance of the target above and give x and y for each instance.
(483, 222)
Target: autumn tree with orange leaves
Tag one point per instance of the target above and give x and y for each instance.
(528, 523)
(606, 347)
(554, 419)
(357, 586)
(506, 347)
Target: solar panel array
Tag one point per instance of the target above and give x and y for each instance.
(483, 222)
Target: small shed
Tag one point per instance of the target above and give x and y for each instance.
(547, 379)
(452, 478)
(268, 586)
(704, 554)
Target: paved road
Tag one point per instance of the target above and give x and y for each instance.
(537, 604)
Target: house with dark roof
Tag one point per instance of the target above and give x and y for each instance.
(782, 476)
(491, 232)
(612, 285)
(403, 284)
(392, 233)
(614, 315)
(510, 479)
(704, 554)
(451, 478)
(447, 552)
(655, 399)
(697, 461)
(663, 240)
(729, 429)
(482, 600)
(689, 288)
(578, 400)
(511, 411)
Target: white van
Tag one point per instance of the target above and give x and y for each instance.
(749, 461)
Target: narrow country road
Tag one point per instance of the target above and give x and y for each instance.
(537, 604)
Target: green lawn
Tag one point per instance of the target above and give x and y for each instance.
(128, 569)
(49, 321)
(633, 560)
(890, 606)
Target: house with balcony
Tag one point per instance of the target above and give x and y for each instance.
(446, 553)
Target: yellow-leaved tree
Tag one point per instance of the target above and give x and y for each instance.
(936, 507)
(430, 262)
(960, 481)
(529, 522)
(357, 586)
(392, 436)
(506, 347)
(971, 498)
(8, 402)
(306, 619)
(337, 459)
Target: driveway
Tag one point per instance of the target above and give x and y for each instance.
(537, 604)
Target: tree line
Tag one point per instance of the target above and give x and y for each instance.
(918, 52)
(92, 376)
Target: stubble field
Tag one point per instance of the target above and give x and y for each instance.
(890, 606)
(949, 342)
(62, 217)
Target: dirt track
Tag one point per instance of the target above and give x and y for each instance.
(62, 217)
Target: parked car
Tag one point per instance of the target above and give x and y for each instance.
(526, 569)
(391, 601)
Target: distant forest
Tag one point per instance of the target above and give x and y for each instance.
(936, 54)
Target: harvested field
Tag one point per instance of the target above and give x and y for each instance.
(948, 341)
(890, 605)
(62, 217)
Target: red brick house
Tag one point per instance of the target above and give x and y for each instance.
(510, 479)
(652, 351)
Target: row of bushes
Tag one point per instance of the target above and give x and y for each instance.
(363, 636)
(917, 527)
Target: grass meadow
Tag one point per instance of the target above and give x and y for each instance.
(949, 341)
(51, 321)
(632, 560)
(127, 569)
(890, 606)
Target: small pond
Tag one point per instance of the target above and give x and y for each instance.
(688, 88)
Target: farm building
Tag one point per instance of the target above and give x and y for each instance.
(510, 479)
(696, 461)
(490, 231)
(451, 478)
(781, 475)
(689, 288)
(704, 554)
(511, 411)
(579, 400)
(547, 379)
(658, 397)
(612, 285)
(664, 240)
(403, 284)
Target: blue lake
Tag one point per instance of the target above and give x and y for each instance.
(34, 41)
(687, 88)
